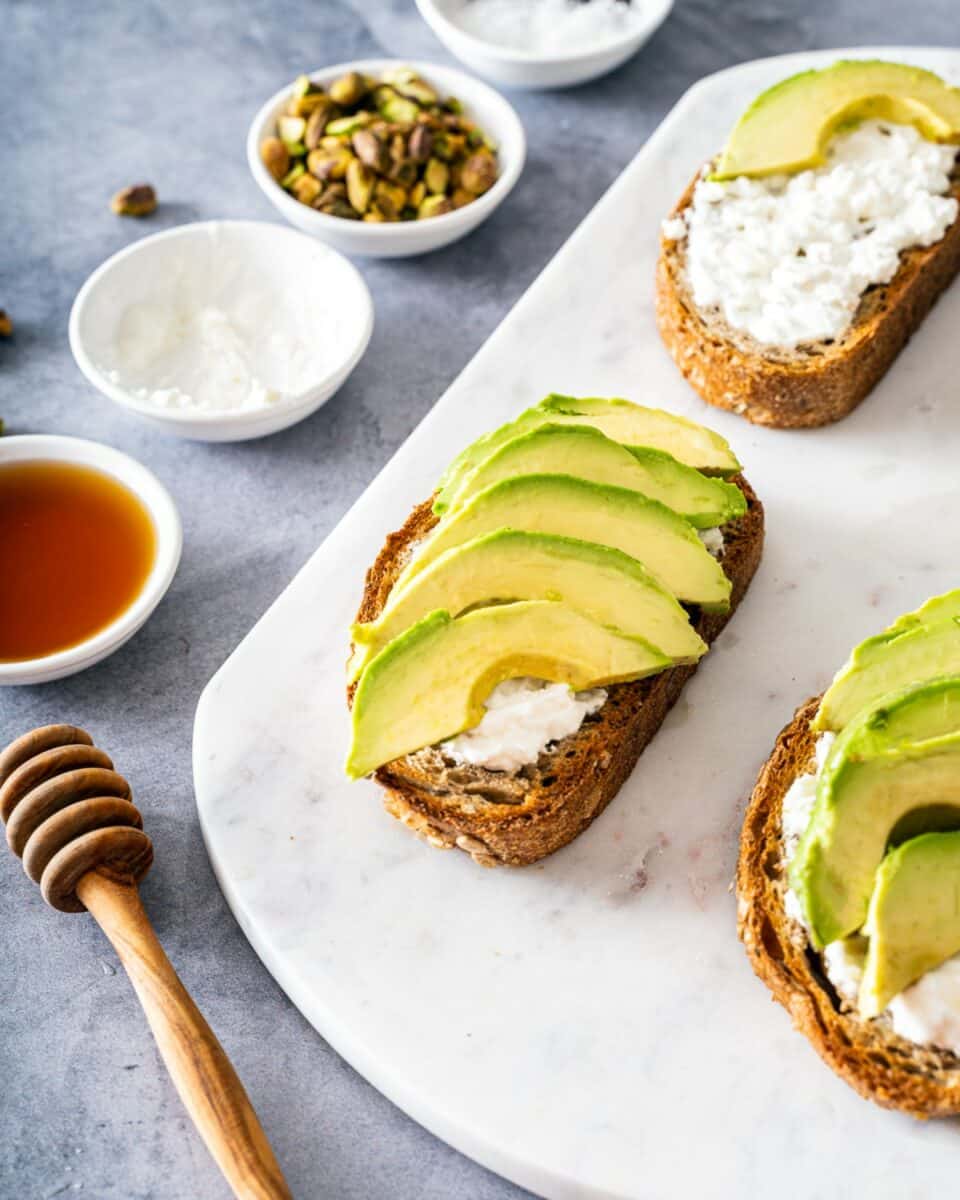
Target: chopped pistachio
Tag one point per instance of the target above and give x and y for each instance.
(449, 146)
(305, 106)
(137, 201)
(316, 124)
(452, 104)
(376, 215)
(416, 89)
(301, 85)
(420, 144)
(328, 165)
(349, 124)
(275, 157)
(307, 188)
(460, 197)
(6, 330)
(291, 129)
(340, 208)
(436, 176)
(349, 89)
(417, 193)
(404, 173)
(394, 107)
(360, 184)
(479, 173)
(434, 206)
(297, 149)
(293, 175)
(370, 150)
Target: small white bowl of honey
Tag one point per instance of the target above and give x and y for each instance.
(89, 543)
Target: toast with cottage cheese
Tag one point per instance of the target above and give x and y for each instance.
(922, 1080)
(518, 817)
(751, 318)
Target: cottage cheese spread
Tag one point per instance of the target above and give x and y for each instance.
(713, 540)
(786, 259)
(928, 1011)
(523, 717)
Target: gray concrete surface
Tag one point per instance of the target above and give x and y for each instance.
(96, 95)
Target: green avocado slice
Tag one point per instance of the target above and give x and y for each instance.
(913, 922)
(937, 608)
(787, 127)
(603, 584)
(894, 771)
(910, 654)
(586, 452)
(431, 682)
(627, 423)
(648, 531)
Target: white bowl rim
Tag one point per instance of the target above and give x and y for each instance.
(156, 500)
(469, 216)
(225, 417)
(430, 12)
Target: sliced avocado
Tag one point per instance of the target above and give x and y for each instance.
(603, 584)
(913, 922)
(787, 127)
(584, 451)
(648, 531)
(430, 683)
(624, 422)
(937, 608)
(887, 663)
(893, 772)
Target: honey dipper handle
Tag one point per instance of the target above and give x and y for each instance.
(204, 1076)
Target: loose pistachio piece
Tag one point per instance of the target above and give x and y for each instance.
(436, 176)
(137, 201)
(340, 208)
(6, 330)
(360, 184)
(479, 173)
(434, 206)
(275, 157)
(349, 89)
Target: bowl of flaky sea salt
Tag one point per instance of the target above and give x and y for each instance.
(222, 331)
(543, 43)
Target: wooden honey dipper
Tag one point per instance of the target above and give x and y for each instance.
(71, 819)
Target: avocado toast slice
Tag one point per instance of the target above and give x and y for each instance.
(516, 818)
(879, 887)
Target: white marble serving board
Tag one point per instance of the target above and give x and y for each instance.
(590, 1027)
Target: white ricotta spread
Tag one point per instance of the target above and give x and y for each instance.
(523, 717)
(928, 1011)
(713, 540)
(786, 259)
(548, 26)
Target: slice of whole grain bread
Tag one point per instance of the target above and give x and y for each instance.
(868, 1055)
(518, 818)
(812, 384)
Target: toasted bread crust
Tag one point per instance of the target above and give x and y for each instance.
(519, 818)
(810, 386)
(876, 1062)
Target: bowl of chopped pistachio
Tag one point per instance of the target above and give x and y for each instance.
(386, 158)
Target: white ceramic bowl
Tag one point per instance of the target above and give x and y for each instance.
(166, 521)
(400, 239)
(524, 69)
(263, 258)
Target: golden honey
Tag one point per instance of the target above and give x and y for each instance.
(76, 548)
